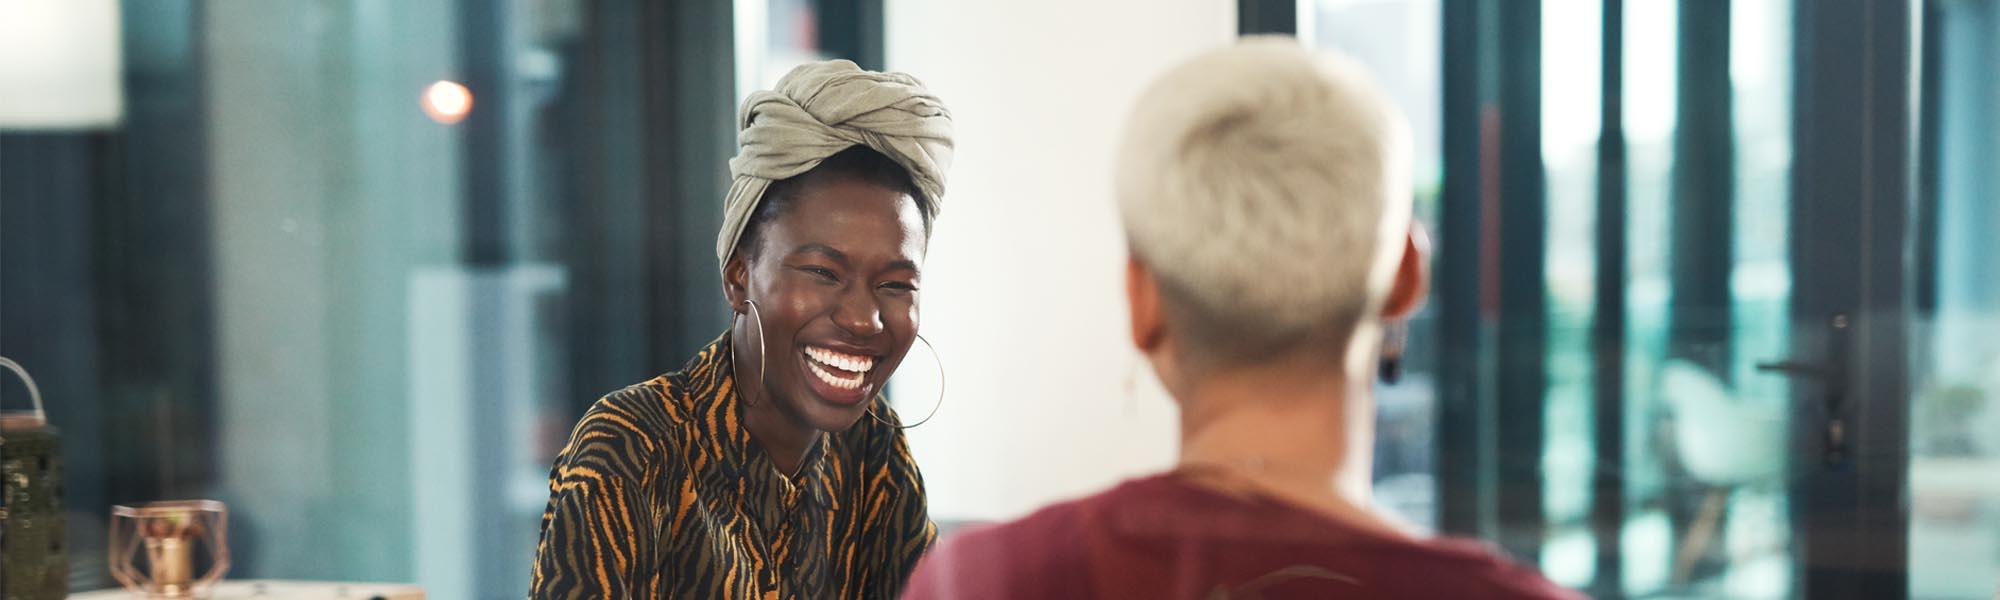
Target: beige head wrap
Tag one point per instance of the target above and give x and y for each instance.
(820, 109)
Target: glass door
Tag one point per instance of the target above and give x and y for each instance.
(1715, 312)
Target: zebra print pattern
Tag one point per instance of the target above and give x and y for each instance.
(661, 493)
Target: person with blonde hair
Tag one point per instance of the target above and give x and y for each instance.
(1265, 195)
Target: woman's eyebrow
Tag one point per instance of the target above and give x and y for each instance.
(824, 250)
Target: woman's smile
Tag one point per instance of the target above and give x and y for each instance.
(838, 377)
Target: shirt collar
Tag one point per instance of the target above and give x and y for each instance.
(729, 437)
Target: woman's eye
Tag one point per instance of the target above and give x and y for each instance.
(822, 273)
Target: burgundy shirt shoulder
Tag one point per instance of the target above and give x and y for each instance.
(1159, 537)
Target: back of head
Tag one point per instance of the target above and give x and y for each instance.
(1267, 189)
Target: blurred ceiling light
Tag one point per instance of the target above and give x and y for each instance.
(60, 65)
(447, 102)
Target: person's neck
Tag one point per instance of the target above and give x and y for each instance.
(787, 440)
(1302, 434)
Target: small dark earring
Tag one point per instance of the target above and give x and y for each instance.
(1395, 336)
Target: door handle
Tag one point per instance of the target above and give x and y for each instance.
(1833, 383)
(1834, 435)
(1794, 368)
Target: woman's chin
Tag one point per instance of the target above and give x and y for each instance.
(832, 409)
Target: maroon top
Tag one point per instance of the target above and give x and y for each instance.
(1161, 537)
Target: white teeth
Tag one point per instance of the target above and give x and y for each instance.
(840, 360)
(837, 382)
(858, 365)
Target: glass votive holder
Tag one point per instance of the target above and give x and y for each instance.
(155, 547)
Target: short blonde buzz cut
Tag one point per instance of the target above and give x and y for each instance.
(1267, 188)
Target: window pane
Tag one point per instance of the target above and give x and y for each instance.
(1705, 432)
(1955, 408)
(1572, 54)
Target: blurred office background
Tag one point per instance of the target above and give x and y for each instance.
(1716, 312)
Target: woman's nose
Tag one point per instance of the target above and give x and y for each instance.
(858, 313)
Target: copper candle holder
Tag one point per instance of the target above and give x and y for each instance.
(167, 537)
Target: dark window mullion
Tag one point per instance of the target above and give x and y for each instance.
(1607, 512)
(1460, 438)
(1850, 192)
(1267, 16)
(1521, 381)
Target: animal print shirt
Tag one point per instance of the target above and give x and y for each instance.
(662, 493)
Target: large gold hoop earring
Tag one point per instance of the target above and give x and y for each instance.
(939, 359)
(758, 316)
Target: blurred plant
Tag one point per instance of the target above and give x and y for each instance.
(1946, 415)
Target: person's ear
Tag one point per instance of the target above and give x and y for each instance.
(1142, 292)
(736, 281)
(1413, 276)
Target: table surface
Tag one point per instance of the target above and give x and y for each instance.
(286, 590)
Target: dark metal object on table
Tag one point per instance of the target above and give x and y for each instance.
(31, 521)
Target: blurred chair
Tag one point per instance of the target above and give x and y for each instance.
(1726, 443)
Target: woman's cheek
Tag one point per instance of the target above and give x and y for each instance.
(803, 300)
(911, 315)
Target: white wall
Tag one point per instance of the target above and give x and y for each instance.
(1024, 288)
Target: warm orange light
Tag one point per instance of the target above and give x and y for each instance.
(447, 102)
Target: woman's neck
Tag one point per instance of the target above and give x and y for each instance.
(786, 439)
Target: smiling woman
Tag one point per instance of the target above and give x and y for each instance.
(770, 465)
(827, 271)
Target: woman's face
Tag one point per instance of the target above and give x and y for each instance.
(835, 283)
